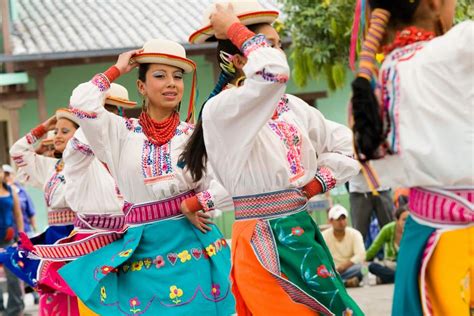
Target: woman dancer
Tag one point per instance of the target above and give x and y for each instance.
(163, 265)
(421, 129)
(271, 151)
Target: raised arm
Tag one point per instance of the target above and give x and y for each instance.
(36, 168)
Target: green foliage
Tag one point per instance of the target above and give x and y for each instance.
(321, 30)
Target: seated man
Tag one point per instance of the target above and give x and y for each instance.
(346, 246)
(389, 237)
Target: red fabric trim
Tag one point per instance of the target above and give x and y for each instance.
(239, 33)
(39, 131)
(312, 188)
(112, 73)
(192, 203)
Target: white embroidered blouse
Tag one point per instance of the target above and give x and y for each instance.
(144, 172)
(40, 172)
(260, 139)
(429, 95)
(90, 189)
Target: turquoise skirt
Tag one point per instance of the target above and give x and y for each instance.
(163, 268)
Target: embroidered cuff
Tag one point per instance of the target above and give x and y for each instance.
(325, 177)
(254, 43)
(312, 188)
(206, 200)
(39, 131)
(239, 33)
(81, 147)
(103, 80)
(82, 114)
(18, 160)
(193, 204)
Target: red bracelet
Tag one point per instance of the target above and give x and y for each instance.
(39, 131)
(312, 188)
(192, 203)
(239, 33)
(112, 73)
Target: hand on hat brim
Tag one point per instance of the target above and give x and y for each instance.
(221, 19)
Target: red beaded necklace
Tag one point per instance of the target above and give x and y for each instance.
(407, 36)
(159, 133)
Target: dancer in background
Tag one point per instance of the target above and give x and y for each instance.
(272, 152)
(417, 125)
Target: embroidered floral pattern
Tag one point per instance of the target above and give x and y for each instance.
(173, 257)
(156, 162)
(291, 137)
(216, 290)
(18, 160)
(51, 186)
(211, 250)
(205, 198)
(101, 81)
(81, 147)
(137, 265)
(175, 294)
(282, 107)
(125, 253)
(184, 128)
(134, 302)
(325, 177)
(323, 272)
(254, 43)
(159, 262)
(132, 125)
(297, 231)
(82, 114)
(103, 294)
(107, 269)
(348, 312)
(184, 256)
(268, 76)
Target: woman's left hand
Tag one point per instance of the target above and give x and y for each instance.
(199, 219)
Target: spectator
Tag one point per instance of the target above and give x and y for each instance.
(364, 203)
(389, 237)
(346, 246)
(9, 213)
(26, 204)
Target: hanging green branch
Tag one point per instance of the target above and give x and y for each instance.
(320, 32)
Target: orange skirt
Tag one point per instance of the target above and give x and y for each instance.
(256, 291)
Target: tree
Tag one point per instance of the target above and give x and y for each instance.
(321, 32)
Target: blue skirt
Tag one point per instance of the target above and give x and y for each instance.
(163, 268)
(19, 261)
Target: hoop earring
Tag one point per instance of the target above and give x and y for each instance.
(239, 81)
(144, 104)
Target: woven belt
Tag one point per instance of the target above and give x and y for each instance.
(61, 217)
(268, 205)
(100, 222)
(155, 211)
(65, 250)
(443, 206)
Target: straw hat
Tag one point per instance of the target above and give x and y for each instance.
(118, 95)
(249, 12)
(67, 114)
(161, 51)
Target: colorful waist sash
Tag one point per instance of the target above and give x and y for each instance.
(100, 222)
(269, 205)
(443, 206)
(156, 210)
(61, 217)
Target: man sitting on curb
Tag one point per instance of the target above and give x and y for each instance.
(346, 246)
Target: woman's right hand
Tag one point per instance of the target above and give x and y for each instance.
(50, 123)
(125, 62)
(221, 19)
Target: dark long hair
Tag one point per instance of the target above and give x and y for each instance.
(194, 155)
(369, 130)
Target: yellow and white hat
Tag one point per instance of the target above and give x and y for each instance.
(67, 114)
(118, 95)
(249, 12)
